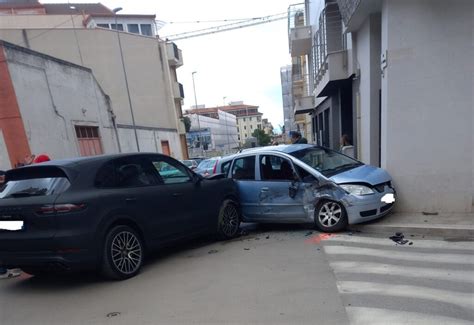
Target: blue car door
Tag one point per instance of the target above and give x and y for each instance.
(243, 173)
(276, 204)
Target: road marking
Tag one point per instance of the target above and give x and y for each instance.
(365, 316)
(416, 243)
(465, 300)
(401, 255)
(396, 270)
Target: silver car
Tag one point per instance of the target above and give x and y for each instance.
(305, 183)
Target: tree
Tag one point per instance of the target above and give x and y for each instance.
(187, 123)
(263, 139)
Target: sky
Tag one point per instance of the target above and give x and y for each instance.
(240, 65)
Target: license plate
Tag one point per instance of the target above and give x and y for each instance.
(11, 225)
(388, 198)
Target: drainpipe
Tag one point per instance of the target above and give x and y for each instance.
(358, 117)
(113, 118)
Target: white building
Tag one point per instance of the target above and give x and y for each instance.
(51, 106)
(397, 77)
(215, 134)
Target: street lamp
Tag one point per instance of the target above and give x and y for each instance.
(125, 76)
(197, 115)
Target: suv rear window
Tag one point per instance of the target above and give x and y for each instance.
(34, 182)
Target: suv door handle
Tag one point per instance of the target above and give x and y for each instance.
(177, 194)
(131, 200)
(264, 189)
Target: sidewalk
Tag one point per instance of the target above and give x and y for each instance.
(448, 226)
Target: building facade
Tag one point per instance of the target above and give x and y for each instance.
(51, 106)
(137, 72)
(212, 135)
(394, 77)
(287, 99)
(248, 117)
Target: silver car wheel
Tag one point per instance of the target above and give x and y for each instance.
(126, 252)
(330, 214)
(230, 220)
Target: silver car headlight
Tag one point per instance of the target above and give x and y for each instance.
(356, 189)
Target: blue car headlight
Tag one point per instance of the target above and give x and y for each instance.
(356, 189)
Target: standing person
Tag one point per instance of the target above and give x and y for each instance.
(296, 138)
(345, 141)
(5, 273)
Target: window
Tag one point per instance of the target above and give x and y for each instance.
(126, 172)
(244, 119)
(133, 28)
(245, 135)
(170, 172)
(259, 118)
(113, 26)
(276, 168)
(89, 140)
(251, 126)
(250, 119)
(146, 29)
(245, 127)
(244, 168)
(238, 130)
(103, 25)
(238, 137)
(225, 167)
(304, 175)
(259, 126)
(40, 181)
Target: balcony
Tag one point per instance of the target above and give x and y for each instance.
(337, 66)
(299, 32)
(331, 60)
(175, 57)
(303, 99)
(178, 90)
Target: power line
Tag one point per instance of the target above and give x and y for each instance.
(228, 27)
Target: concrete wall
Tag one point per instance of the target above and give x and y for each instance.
(4, 159)
(427, 103)
(367, 43)
(41, 21)
(53, 97)
(146, 66)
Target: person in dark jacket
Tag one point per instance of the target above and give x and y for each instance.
(296, 138)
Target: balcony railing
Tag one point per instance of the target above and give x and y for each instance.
(296, 16)
(301, 85)
(328, 39)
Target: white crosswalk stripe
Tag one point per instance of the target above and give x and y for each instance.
(402, 255)
(365, 316)
(429, 282)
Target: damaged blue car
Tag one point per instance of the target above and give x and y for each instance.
(306, 183)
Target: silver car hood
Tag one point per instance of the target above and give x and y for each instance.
(362, 174)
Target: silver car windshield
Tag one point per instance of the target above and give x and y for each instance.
(327, 162)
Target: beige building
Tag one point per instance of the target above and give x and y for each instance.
(144, 92)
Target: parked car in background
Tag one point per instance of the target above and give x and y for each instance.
(305, 183)
(191, 164)
(207, 167)
(197, 159)
(106, 212)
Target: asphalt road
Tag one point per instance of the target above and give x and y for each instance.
(274, 275)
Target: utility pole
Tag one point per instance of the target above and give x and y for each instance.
(197, 114)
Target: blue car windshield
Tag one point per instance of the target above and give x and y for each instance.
(326, 161)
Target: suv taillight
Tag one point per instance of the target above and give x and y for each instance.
(61, 208)
(215, 167)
